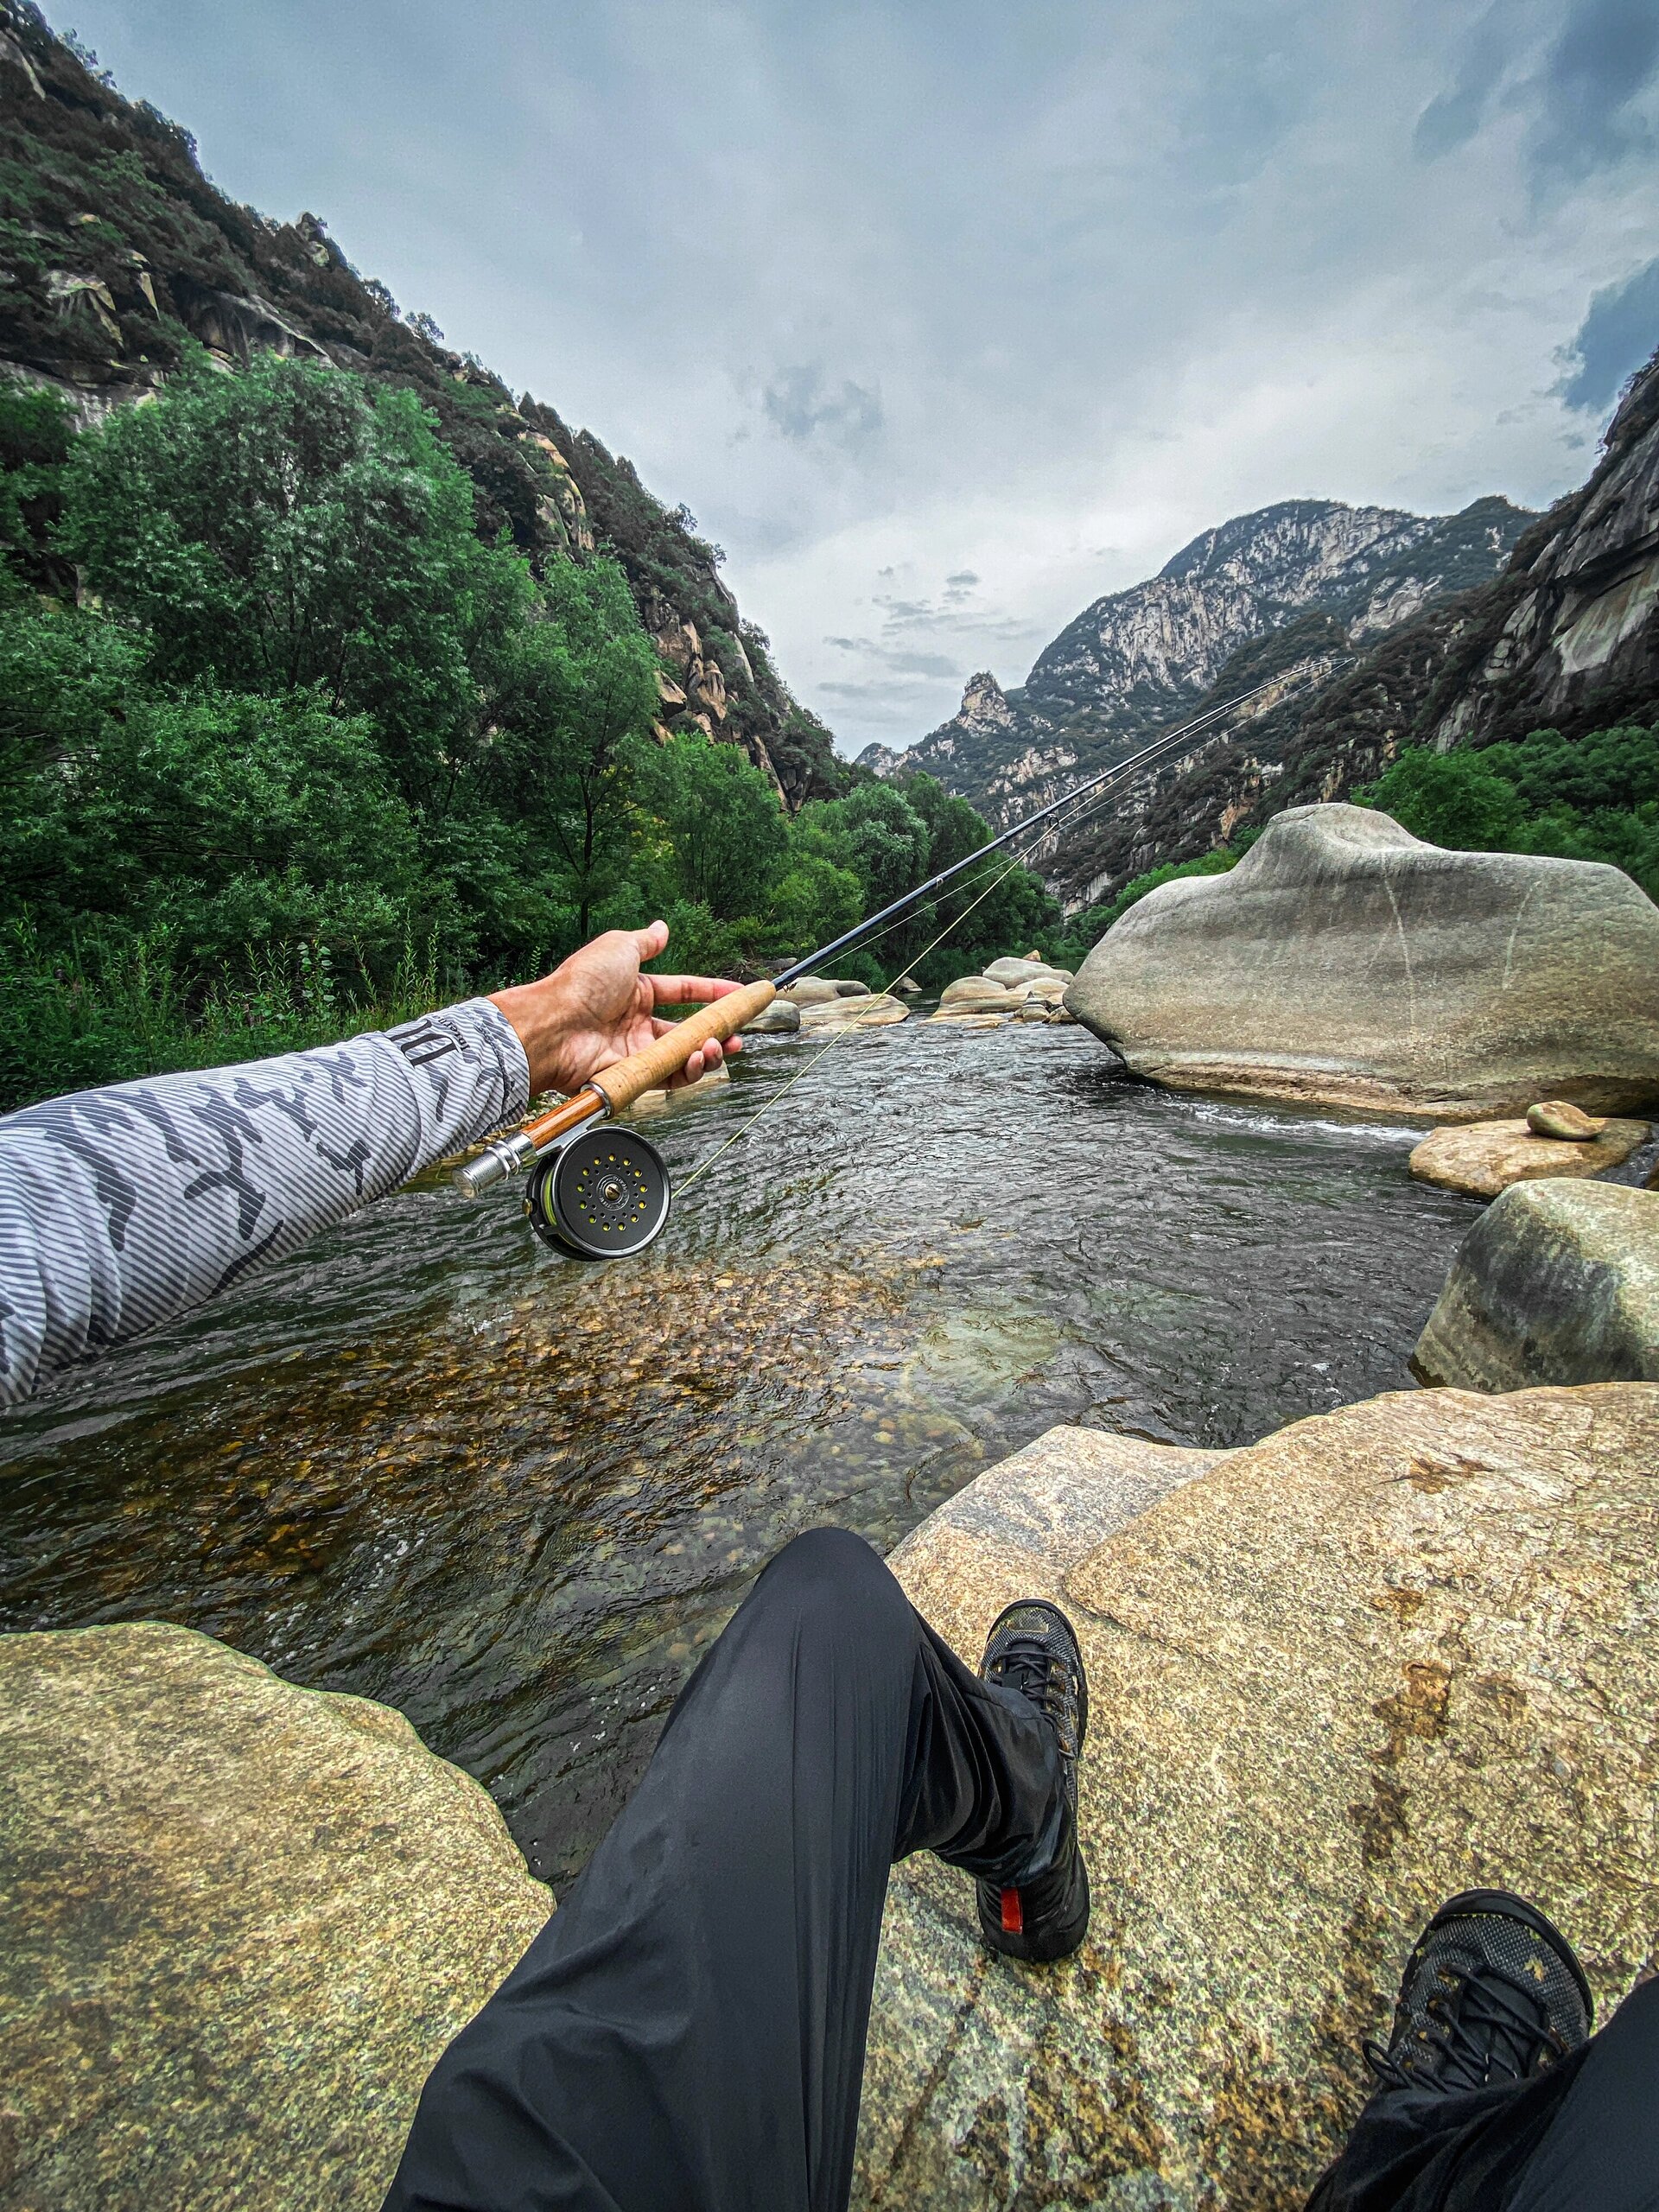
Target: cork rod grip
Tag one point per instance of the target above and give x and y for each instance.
(651, 1070)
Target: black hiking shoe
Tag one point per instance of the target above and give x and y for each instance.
(1492, 1993)
(1032, 1649)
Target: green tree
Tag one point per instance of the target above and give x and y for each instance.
(717, 837)
(1594, 797)
(574, 689)
(284, 530)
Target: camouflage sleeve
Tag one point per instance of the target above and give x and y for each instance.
(122, 1208)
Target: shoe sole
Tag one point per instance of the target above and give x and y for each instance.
(1504, 1905)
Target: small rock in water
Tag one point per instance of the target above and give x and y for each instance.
(780, 1019)
(1558, 1117)
(811, 990)
(848, 988)
(956, 1018)
(909, 986)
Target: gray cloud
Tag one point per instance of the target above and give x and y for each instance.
(801, 406)
(1616, 337)
(1453, 117)
(1592, 81)
(962, 578)
(1577, 72)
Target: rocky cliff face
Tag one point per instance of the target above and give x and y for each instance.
(1567, 637)
(116, 253)
(1138, 660)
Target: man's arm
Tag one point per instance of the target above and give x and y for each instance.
(121, 1208)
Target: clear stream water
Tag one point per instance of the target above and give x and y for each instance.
(427, 1461)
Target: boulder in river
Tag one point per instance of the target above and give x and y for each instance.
(811, 990)
(1483, 1158)
(780, 1019)
(1334, 1677)
(1556, 1282)
(969, 1017)
(1012, 972)
(1345, 963)
(978, 991)
(872, 1011)
(238, 1921)
(848, 987)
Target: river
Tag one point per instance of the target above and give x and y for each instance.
(428, 1460)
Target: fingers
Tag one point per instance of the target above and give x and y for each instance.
(650, 941)
(687, 990)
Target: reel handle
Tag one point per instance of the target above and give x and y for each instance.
(665, 1056)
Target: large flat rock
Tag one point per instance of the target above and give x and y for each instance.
(1555, 1283)
(1483, 1158)
(1381, 1655)
(238, 1921)
(1345, 963)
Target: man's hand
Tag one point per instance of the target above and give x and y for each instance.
(596, 1007)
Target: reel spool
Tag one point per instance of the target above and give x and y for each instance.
(604, 1194)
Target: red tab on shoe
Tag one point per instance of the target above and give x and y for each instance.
(1014, 1916)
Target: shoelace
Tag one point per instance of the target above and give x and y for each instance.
(1029, 1665)
(1482, 2017)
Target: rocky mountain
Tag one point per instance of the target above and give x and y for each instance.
(116, 253)
(1566, 637)
(1138, 660)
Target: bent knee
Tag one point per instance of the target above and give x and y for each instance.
(834, 1568)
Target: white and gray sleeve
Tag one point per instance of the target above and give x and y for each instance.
(120, 1209)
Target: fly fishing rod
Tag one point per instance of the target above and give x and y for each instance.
(600, 1191)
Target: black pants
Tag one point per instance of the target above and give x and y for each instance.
(1583, 2137)
(687, 2033)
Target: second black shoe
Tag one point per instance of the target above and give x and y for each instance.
(1492, 1993)
(1031, 1650)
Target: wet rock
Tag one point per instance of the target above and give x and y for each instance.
(811, 990)
(968, 1018)
(682, 1092)
(873, 1010)
(909, 986)
(850, 987)
(1483, 1158)
(1557, 1282)
(1334, 1677)
(1010, 973)
(240, 1922)
(1343, 961)
(780, 1019)
(977, 991)
(1556, 1117)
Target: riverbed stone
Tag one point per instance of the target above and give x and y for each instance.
(848, 987)
(977, 992)
(239, 1923)
(874, 1010)
(972, 1018)
(1558, 1117)
(1386, 1654)
(1483, 1158)
(1556, 1282)
(811, 990)
(781, 1019)
(1344, 962)
(1010, 973)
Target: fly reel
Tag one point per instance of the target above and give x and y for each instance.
(603, 1194)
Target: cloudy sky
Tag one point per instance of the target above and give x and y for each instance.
(944, 319)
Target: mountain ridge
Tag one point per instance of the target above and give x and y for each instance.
(1134, 661)
(117, 252)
